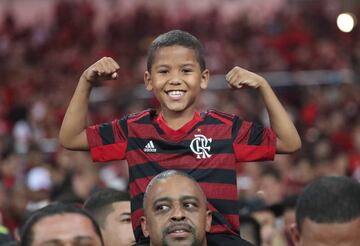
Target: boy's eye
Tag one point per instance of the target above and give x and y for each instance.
(187, 70)
(163, 71)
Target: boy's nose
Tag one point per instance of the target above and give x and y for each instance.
(175, 78)
(175, 81)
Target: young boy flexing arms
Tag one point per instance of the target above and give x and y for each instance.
(205, 145)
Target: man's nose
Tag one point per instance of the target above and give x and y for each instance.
(178, 214)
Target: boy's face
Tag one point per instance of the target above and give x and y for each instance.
(176, 78)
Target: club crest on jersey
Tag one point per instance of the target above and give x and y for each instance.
(200, 145)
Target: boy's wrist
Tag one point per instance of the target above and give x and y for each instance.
(262, 82)
(85, 78)
(86, 81)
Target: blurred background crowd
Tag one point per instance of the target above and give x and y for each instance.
(293, 42)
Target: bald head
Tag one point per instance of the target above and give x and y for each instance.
(162, 177)
(175, 211)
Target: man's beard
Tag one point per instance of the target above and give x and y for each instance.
(166, 231)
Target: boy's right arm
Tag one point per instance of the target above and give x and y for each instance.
(73, 129)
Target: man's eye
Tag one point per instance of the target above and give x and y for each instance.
(126, 220)
(161, 208)
(190, 205)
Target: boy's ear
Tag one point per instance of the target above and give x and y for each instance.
(208, 220)
(144, 226)
(147, 81)
(205, 75)
(294, 234)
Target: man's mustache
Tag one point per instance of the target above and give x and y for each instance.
(178, 226)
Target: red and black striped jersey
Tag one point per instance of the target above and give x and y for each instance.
(207, 148)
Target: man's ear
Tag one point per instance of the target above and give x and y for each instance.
(205, 75)
(144, 226)
(147, 81)
(294, 234)
(208, 220)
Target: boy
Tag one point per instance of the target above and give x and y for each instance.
(205, 145)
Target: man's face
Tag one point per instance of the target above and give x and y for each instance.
(176, 213)
(176, 78)
(328, 234)
(117, 229)
(65, 229)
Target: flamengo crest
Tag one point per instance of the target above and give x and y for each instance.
(200, 145)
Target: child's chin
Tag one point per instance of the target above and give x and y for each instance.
(176, 108)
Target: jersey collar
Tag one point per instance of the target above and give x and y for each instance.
(181, 132)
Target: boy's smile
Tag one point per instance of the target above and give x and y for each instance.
(176, 79)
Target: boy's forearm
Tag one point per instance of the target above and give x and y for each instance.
(288, 139)
(73, 129)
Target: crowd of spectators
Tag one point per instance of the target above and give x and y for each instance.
(40, 65)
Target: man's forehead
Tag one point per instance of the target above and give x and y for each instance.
(175, 187)
(63, 227)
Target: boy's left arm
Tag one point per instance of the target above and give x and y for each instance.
(287, 137)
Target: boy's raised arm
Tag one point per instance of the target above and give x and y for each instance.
(287, 137)
(73, 129)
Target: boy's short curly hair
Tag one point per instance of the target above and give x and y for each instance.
(176, 37)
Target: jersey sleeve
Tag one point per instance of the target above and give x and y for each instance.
(108, 141)
(253, 142)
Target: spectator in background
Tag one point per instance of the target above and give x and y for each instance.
(328, 213)
(271, 185)
(111, 209)
(175, 211)
(84, 181)
(250, 229)
(266, 217)
(60, 224)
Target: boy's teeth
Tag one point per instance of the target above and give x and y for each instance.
(176, 93)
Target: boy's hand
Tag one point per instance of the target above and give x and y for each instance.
(103, 69)
(239, 77)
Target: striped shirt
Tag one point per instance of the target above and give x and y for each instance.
(207, 148)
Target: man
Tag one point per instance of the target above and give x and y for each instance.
(175, 211)
(61, 224)
(328, 213)
(111, 210)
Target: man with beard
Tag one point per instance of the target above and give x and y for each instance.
(175, 211)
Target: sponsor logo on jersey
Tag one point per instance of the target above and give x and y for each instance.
(150, 147)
